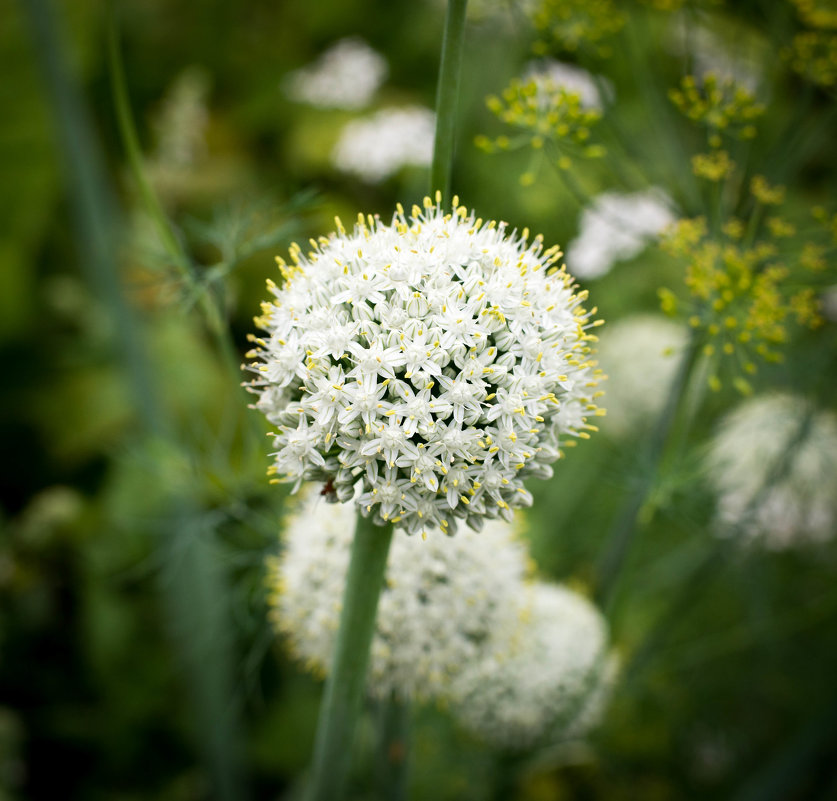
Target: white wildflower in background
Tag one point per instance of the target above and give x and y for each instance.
(730, 52)
(552, 687)
(639, 355)
(773, 464)
(615, 228)
(424, 367)
(442, 603)
(375, 147)
(550, 75)
(182, 120)
(346, 76)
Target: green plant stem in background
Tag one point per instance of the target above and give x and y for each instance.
(194, 585)
(128, 131)
(392, 749)
(341, 704)
(93, 205)
(447, 99)
(622, 533)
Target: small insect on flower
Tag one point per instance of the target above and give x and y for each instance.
(425, 367)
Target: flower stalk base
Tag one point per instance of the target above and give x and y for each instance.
(343, 694)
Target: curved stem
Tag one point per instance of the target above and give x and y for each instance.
(127, 129)
(447, 98)
(343, 694)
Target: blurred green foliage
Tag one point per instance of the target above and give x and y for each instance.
(729, 656)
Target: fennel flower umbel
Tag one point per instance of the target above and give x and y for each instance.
(444, 599)
(424, 367)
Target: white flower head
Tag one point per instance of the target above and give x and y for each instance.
(425, 367)
(615, 228)
(552, 686)
(346, 76)
(375, 147)
(773, 463)
(182, 121)
(442, 600)
(639, 354)
(550, 75)
(731, 52)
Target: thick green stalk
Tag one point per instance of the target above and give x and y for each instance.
(624, 529)
(447, 99)
(393, 748)
(343, 694)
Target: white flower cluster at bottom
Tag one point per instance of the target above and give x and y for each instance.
(459, 621)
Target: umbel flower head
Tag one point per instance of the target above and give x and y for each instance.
(442, 603)
(552, 687)
(773, 463)
(425, 367)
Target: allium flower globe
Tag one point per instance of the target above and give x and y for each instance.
(424, 367)
(773, 464)
(553, 686)
(443, 603)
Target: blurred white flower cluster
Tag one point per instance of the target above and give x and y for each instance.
(552, 685)
(443, 597)
(550, 75)
(424, 368)
(375, 147)
(346, 76)
(735, 54)
(639, 355)
(615, 228)
(182, 121)
(521, 664)
(773, 464)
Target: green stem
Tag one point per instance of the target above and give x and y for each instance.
(393, 748)
(128, 131)
(447, 98)
(133, 151)
(343, 694)
(624, 529)
(196, 577)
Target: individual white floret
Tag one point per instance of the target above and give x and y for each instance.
(773, 464)
(373, 148)
(457, 359)
(443, 597)
(639, 355)
(346, 76)
(554, 683)
(615, 228)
